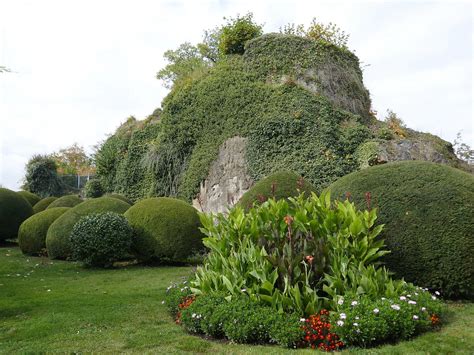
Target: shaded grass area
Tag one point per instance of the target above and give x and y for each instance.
(61, 307)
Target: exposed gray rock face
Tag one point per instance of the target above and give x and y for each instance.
(406, 149)
(228, 178)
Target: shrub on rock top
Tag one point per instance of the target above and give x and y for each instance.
(101, 239)
(165, 228)
(58, 241)
(14, 209)
(428, 213)
(32, 233)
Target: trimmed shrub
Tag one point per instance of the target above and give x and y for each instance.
(101, 239)
(43, 204)
(165, 228)
(32, 232)
(32, 198)
(279, 185)
(120, 197)
(428, 212)
(58, 241)
(93, 189)
(14, 209)
(66, 201)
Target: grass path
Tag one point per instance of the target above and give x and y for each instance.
(61, 307)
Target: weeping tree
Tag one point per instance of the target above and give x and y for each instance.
(42, 178)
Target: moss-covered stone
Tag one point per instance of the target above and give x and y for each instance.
(165, 228)
(14, 209)
(428, 212)
(43, 204)
(32, 233)
(58, 243)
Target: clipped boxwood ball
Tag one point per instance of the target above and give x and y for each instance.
(279, 185)
(14, 209)
(120, 197)
(66, 201)
(32, 233)
(428, 212)
(58, 241)
(165, 228)
(32, 198)
(101, 239)
(43, 204)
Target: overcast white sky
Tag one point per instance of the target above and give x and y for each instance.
(82, 67)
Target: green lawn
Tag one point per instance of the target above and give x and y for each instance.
(61, 307)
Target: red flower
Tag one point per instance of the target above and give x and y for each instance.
(288, 219)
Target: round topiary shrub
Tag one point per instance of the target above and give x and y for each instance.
(93, 189)
(43, 204)
(428, 212)
(101, 239)
(58, 241)
(32, 198)
(279, 185)
(120, 197)
(14, 209)
(66, 201)
(32, 232)
(165, 228)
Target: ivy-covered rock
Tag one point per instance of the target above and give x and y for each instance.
(279, 185)
(32, 198)
(66, 201)
(43, 204)
(32, 233)
(58, 241)
(428, 213)
(14, 209)
(165, 228)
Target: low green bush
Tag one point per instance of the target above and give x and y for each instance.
(428, 213)
(165, 228)
(279, 185)
(66, 201)
(101, 239)
(32, 198)
(58, 241)
(93, 189)
(32, 232)
(364, 321)
(14, 209)
(43, 204)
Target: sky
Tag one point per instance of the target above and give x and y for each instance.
(80, 68)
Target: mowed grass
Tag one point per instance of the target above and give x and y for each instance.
(55, 306)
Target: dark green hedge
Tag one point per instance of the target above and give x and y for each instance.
(428, 212)
(279, 185)
(165, 228)
(65, 201)
(32, 233)
(14, 209)
(32, 198)
(43, 204)
(58, 243)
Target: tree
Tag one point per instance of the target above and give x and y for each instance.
(184, 63)
(42, 178)
(318, 31)
(463, 150)
(237, 31)
(73, 160)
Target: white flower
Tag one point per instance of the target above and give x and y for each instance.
(354, 303)
(437, 293)
(342, 316)
(402, 298)
(169, 288)
(162, 302)
(340, 323)
(411, 302)
(302, 320)
(49, 290)
(355, 324)
(376, 310)
(357, 330)
(383, 298)
(243, 290)
(416, 293)
(193, 315)
(423, 309)
(415, 317)
(433, 297)
(408, 296)
(357, 317)
(395, 307)
(341, 301)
